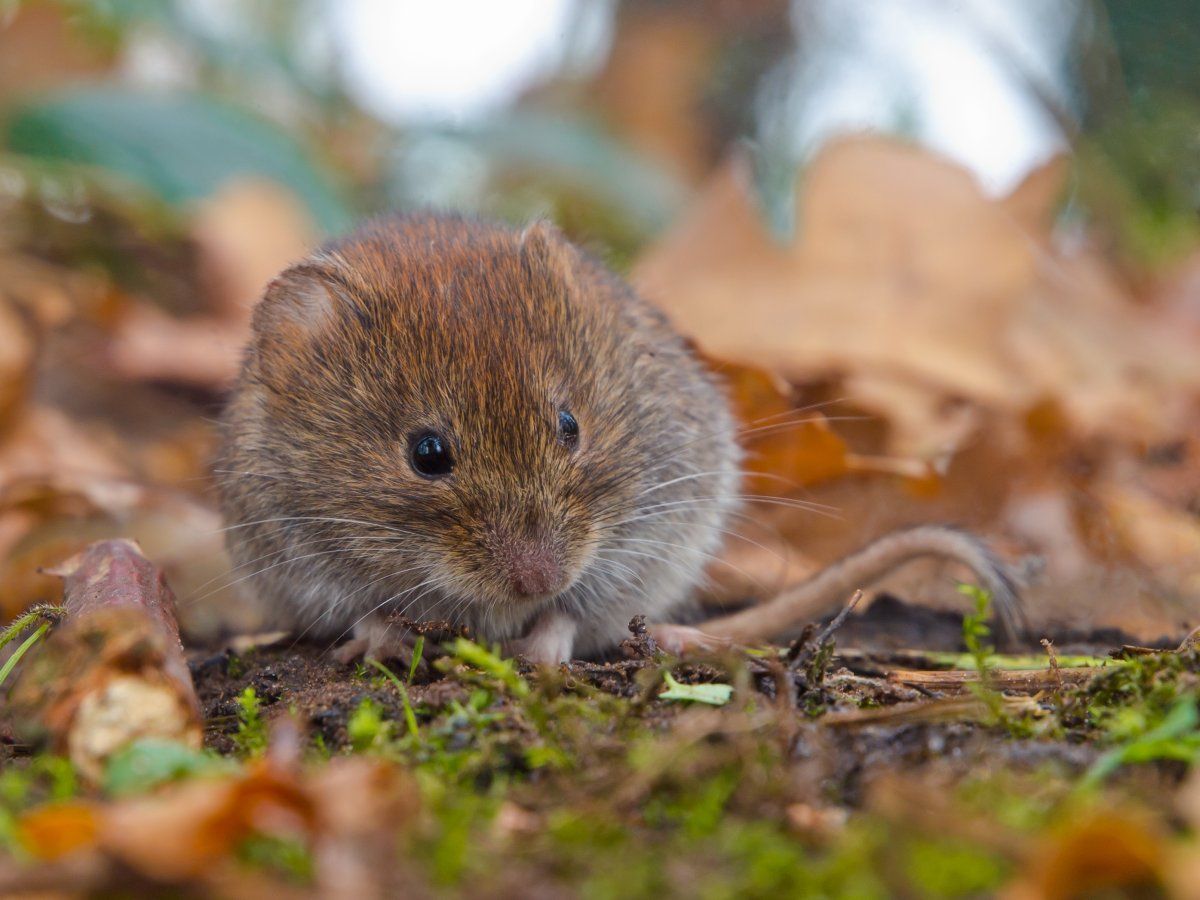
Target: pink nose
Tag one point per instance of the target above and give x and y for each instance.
(533, 569)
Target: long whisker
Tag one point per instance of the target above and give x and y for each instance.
(345, 551)
(716, 559)
(322, 540)
(359, 590)
(427, 581)
(326, 519)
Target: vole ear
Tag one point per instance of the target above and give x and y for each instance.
(546, 250)
(301, 300)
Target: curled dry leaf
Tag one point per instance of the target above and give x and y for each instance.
(114, 671)
(16, 363)
(789, 447)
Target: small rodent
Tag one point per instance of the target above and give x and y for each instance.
(447, 418)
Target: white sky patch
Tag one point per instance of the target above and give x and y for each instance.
(932, 68)
(938, 70)
(452, 59)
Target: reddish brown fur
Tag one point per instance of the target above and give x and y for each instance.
(482, 333)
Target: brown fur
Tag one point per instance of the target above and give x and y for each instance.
(482, 333)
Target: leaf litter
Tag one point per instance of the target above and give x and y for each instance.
(1004, 382)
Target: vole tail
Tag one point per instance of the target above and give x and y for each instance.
(833, 585)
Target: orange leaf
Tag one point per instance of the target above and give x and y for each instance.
(53, 831)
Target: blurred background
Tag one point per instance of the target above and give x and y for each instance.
(964, 230)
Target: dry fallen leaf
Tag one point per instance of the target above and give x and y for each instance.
(346, 812)
(58, 829)
(963, 301)
(1104, 854)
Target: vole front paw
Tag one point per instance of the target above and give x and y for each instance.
(548, 643)
(381, 640)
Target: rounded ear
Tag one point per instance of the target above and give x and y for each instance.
(547, 251)
(299, 301)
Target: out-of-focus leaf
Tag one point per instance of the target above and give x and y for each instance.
(149, 762)
(53, 831)
(797, 447)
(956, 303)
(183, 146)
(557, 148)
(17, 348)
(1103, 854)
(1156, 41)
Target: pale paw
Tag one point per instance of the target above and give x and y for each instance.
(681, 639)
(380, 641)
(352, 650)
(549, 643)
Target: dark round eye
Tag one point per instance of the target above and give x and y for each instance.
(431, 456)
(568, 430)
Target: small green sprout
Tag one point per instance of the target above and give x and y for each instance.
(977, 638)
(503, 670)
(44, 613)
(410, 718)
(366, 727)
(250, 739)
(418, 652)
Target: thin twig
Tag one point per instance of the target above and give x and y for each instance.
(1053, 662)
(833, 626)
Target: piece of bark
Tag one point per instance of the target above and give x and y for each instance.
(943, 709)
(1028, 681)
(114, 670)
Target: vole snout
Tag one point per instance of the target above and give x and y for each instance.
(533, 566)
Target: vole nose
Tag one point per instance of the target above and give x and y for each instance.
(532, 567)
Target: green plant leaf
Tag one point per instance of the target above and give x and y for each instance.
(712, 694)
(1175, 737)
(180, 146)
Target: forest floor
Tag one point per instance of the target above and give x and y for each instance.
(819, 769)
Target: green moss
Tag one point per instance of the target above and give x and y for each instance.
(250, 739)
(287, 857)
(42, 779)
(1128, 700)
(366, 727)
(952, 868)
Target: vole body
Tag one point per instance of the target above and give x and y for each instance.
(452, 419)
(483, 337)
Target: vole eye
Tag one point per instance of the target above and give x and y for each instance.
(568, 430)
(431, 457)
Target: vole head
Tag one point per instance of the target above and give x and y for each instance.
(476, 405)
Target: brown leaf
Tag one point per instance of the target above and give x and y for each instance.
(1094, 855)
(347, 812)
(178, 833)
(960, 301)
